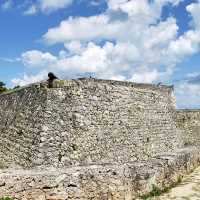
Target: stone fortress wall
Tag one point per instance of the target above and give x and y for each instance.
(86, 122)
(118, 137)
(21, 121)
(189, 122)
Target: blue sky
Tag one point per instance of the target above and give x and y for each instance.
(135, 40)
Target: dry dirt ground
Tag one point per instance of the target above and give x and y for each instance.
(189, 189)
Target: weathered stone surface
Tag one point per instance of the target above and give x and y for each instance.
(83, 122)
(93, 139)
(21, 121)
(99, 182)
(189, 122)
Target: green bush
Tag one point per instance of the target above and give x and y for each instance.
(2, 89)
(155, 192)
(6, 198)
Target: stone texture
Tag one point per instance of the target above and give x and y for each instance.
(21, 121)
(189, 122)
(99, 182)
(88, 121)
(93, 139)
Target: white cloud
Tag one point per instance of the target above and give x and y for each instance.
(7, 5)
(187, 44)
(119, 61)
(145, 76)
(10, 60)
(146, 10)
(53, 5)
(143, 49)
(132, 8)
(96, 2)
(63, 54)
(194, 10)
(28, 79)
(46, 6)
(74, 47)
(36, 58)
(32, 10)
(188, 95)
(188, 91)
(83, 29)
(142, 16)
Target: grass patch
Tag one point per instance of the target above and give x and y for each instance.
(156, 191)
(6, 198)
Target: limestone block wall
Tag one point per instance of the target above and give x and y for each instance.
(21, 120)
(87, 121)
(189, 121)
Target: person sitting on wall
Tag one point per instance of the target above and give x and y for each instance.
(52, 77)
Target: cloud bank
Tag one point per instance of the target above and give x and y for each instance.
(47, 6)
(6, 5)
(129, 41)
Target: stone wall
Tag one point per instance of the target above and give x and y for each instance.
(93, 139)
(108, 122)
(21, 121)
(98, 182)
(189, 121)
(87, 121)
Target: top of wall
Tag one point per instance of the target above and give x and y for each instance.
(73, 82)
(188, 110)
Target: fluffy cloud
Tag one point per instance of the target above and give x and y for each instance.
(10, 60)
(52, 5)
(187, 44)
(159, 44)
(47, 6)
(7, 5)
(74, 47)
(188, 95)
(194, 10)
(83, 29)
(28, 79)
(139, 15)
(145, 76)
(36, 58)
(188, 91)
(127, 42)
(32, 10)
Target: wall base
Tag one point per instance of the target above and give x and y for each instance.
(98, 182)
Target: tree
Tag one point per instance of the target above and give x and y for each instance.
(16, 87)
(2, 87)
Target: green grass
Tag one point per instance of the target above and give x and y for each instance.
(6, 198)
(156, 191)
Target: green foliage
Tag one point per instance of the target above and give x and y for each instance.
(6, 198)
(2, 84)
(2, 89)
(156, 191)
(179, 180)
(16, 87)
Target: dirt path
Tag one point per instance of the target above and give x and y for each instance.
(189, 189)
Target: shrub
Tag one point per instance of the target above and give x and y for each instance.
(6, 198)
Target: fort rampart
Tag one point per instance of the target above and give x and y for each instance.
(93, 139)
